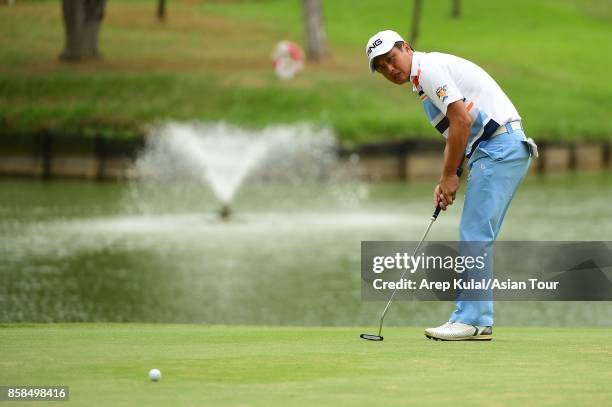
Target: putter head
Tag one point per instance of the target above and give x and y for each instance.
(370, 337)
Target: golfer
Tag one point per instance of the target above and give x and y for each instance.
(479, 122)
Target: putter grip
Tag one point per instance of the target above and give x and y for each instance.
(438, 208)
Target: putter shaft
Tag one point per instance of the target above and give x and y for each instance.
(431, 221)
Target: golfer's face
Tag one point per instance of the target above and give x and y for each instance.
(394, 65)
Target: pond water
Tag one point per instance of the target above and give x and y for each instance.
(78, 251)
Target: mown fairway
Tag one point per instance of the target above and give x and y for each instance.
(221, 365)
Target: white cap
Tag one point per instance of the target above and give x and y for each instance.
(381, 43)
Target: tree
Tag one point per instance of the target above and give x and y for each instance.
(82, 19)
(416, 22)
(161, 10)
(316, 49)
(456, 13)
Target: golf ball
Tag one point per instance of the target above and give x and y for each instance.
(154, 374)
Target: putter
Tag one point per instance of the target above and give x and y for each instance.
(372, 337)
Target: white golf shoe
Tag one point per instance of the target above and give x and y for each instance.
(456, 331)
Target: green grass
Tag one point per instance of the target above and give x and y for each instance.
(220, 365)
(211, 61)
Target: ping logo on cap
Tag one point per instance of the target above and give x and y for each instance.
(375, 44)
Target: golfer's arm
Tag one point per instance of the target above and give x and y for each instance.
(458, 134)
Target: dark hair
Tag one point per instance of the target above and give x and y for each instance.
(400, 44)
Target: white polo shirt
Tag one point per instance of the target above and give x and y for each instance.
(442, 79)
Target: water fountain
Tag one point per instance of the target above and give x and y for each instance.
(220, 157)
(155, 250)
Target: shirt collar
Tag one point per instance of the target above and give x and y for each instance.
(415, 69)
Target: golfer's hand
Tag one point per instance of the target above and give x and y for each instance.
(445, 191)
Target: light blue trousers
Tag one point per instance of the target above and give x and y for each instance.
(497, 168)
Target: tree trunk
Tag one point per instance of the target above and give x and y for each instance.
(316, 49)
(416, 22)
(82, 19)
(456, 13)
(161, 10)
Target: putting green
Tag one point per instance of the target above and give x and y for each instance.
(107, 364)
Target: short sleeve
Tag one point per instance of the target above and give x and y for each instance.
(438, 85)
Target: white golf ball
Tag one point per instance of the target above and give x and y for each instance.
(154, 374)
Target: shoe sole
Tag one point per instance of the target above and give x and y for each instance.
(464, 338)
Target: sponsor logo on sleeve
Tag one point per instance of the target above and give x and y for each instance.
(441, 92)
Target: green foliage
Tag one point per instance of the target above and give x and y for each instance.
(211, 61)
